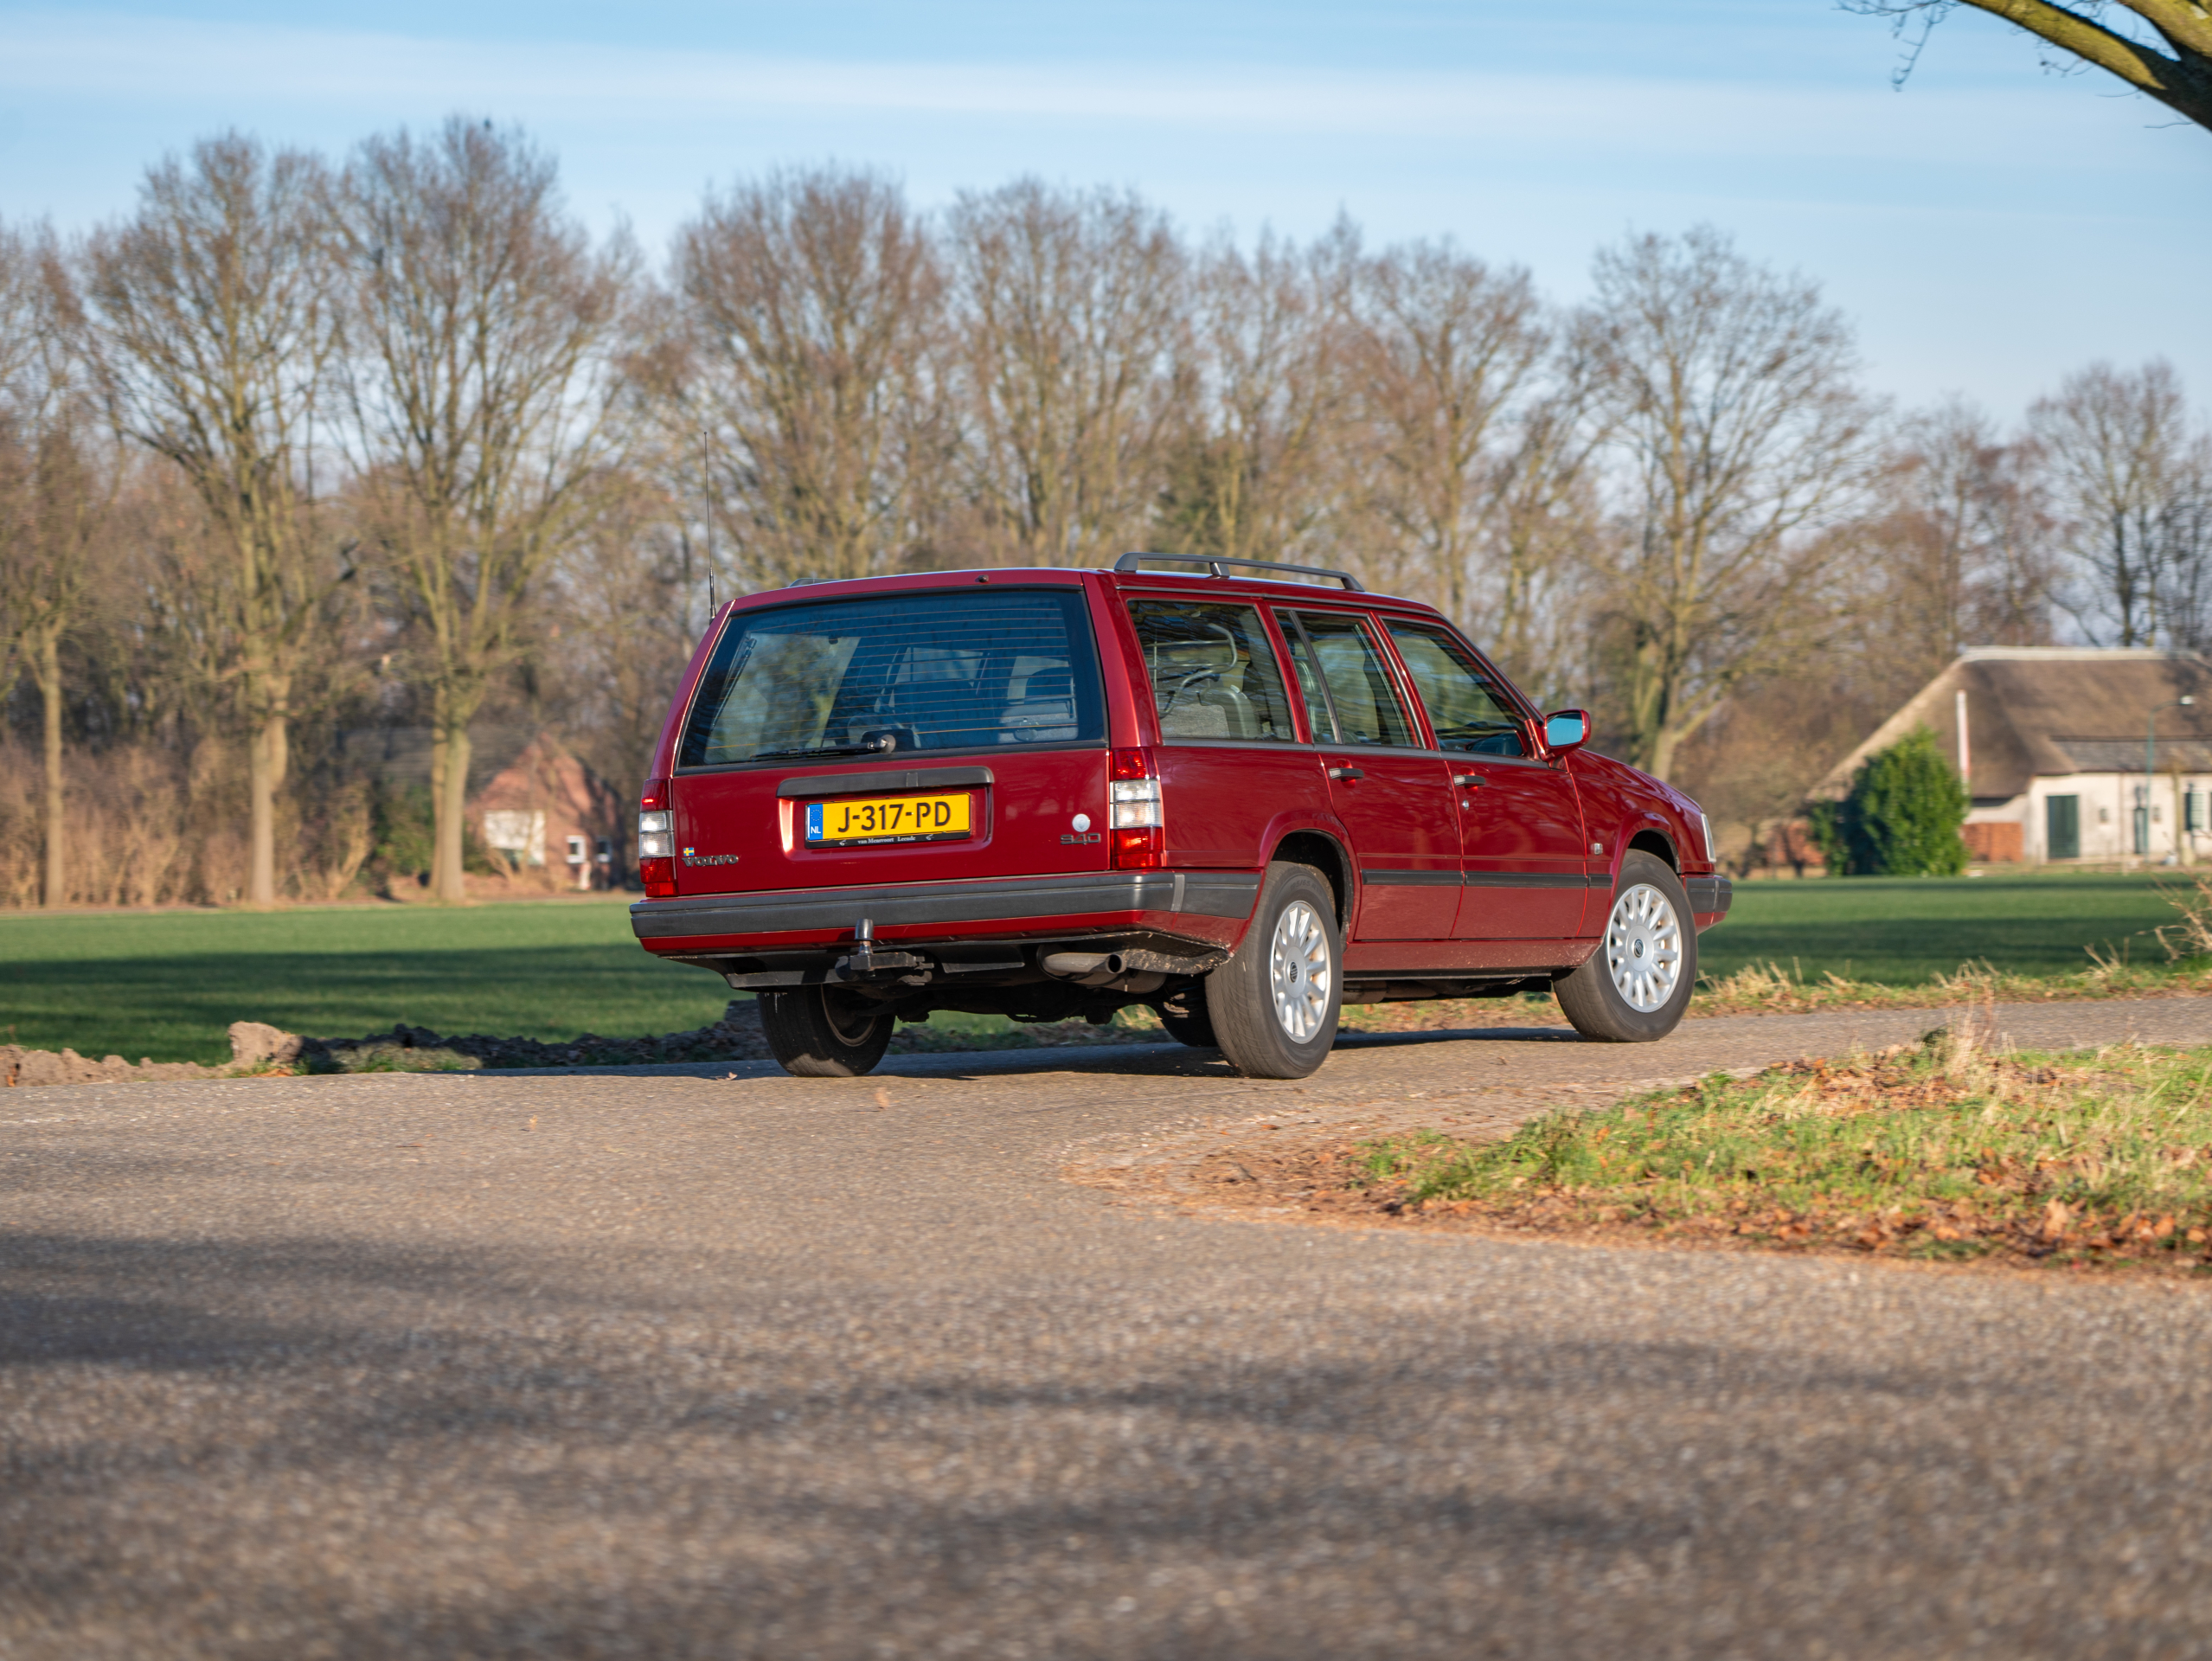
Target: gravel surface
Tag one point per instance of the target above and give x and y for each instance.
(690, 1362)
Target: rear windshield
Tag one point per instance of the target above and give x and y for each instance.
(947, 670)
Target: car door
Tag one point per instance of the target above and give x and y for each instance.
(1392, 796)
(1523, 847)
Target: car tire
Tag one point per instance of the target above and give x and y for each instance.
(1634, 988)
(825, 1032)
(1195, 1027)
(1274, 1003)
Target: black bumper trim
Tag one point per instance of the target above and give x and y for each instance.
(1710, 894)
(1204, 894)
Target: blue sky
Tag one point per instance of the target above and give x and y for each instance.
(1990, 228)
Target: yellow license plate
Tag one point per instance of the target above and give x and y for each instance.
(887, 818)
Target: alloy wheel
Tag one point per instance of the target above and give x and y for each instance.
(1298, 972)
(1644, 948)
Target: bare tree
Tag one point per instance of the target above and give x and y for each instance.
(2187, 533)
(2163, 48)
(632, 597)
(210, 331)
(804, 317)
(1727, 391)
(480, 327)
(1446, 347)
(48, 501)
(2125, 464)
(1259, 463)
(1069, 314)
(2011, 600)
(1546, 531)
(1963, 552)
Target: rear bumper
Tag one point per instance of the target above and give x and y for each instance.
(1709, 898)
(1105, 898)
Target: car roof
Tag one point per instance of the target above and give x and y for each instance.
(1198, 583)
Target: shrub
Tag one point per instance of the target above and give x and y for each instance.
(1900, 817)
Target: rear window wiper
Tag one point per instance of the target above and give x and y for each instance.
(878, 747)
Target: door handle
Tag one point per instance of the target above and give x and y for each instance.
(1468, 780)
(1346, 772)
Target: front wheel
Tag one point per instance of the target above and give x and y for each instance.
(1635, 986)
(1274, 1002)
(825, 1032)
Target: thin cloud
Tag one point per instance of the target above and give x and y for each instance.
(117, 54)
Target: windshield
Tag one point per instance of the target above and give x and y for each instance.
(939, 671)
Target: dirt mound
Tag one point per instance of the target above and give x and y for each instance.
(736, 1037)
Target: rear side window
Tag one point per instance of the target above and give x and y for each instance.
(1213, 671)
(1464, 705)
(1338, 659)
(943, 671)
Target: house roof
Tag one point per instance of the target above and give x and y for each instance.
(2050, 711)
(400, 755)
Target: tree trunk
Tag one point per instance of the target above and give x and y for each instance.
(450, 803)
(47, 670)
(268, 759)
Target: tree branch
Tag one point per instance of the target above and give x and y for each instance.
(2186, 25)
(2183, 83)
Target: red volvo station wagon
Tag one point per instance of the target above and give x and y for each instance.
(1234, 794)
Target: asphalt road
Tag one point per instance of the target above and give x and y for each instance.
(674, 1366)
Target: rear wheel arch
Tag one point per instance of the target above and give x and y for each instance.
(1326, 854)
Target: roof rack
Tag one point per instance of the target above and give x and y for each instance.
(1217, 566)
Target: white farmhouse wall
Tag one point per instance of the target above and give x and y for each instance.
(2107, 817)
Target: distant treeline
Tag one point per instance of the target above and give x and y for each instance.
(303, 444)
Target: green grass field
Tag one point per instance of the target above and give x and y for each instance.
(1905, 930)
(166, 985)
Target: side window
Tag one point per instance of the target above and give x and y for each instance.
(1213, 671)
(1463, 706)
(1357, 684)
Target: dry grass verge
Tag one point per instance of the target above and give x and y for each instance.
(1940, 1151)
(1770, 988)
(1775, 988)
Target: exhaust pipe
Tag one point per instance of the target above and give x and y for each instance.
(1101, 969)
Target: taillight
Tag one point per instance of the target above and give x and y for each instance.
(1135, 818)
(656, 840)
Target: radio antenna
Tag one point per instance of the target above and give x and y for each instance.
(706, 478)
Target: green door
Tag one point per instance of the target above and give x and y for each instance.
(2062, 827)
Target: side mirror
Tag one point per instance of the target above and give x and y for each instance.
(1567, 729)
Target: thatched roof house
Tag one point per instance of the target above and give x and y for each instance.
(2051, 741)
